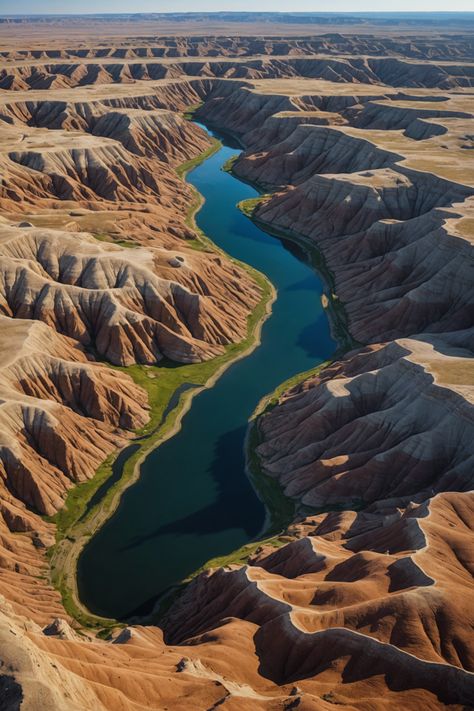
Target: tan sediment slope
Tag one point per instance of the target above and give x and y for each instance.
(129, 305)
(393, 421)
(365, 142)
(355, 596)
(60, 414)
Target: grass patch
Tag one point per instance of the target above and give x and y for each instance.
(281, 510)
(191, 110)
(105, 237)
(184, 168)
(102, 626)
(229, 164)
(237, 557)
(249, 206)
(269, 402)
(201, 243)
(240, 556)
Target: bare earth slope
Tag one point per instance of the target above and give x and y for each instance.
(362, 142)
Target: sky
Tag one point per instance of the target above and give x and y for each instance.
(78, 6)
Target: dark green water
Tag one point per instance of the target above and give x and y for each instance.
(193, 500)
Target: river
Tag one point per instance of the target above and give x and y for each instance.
(193, 500)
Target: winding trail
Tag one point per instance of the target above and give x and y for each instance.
(193, 501)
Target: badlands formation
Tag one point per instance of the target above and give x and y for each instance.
(362, 145)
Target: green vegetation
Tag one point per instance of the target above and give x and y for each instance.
(276, 500)
(281, 510)
(269, 402)
(106, 632)
(191, 110)
(240, 556)
(229, 164)
(249, 206)
(237, 557)
(102, 625)
(75, 522)
(105, 237)
(184, 168)
(202, 243)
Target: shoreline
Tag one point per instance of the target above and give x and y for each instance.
(277, 516)
(64, 554)
(276, 522)
(339, 322)
(265, 487)
(339, 327)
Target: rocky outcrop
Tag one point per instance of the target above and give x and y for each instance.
(125, 304)
(60, 416)
(230, 46)
(390, 71)
(353, 596)
(389, 421)
(161, 134)
(307, 151)
(383, 227)
(84, 169)
(138, 122)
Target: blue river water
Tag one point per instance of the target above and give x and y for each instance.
(193, 500)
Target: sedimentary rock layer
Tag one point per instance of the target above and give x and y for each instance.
(60, 415)
(354, 596)
(128, 305)
(390, 71)
(392, 421)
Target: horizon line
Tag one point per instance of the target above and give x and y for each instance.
(247, 12)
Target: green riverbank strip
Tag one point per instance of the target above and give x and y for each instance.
(75, 523)
(335, 308)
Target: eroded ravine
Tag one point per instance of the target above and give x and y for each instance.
(193, 501)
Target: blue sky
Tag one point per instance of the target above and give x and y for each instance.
(76, 6)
